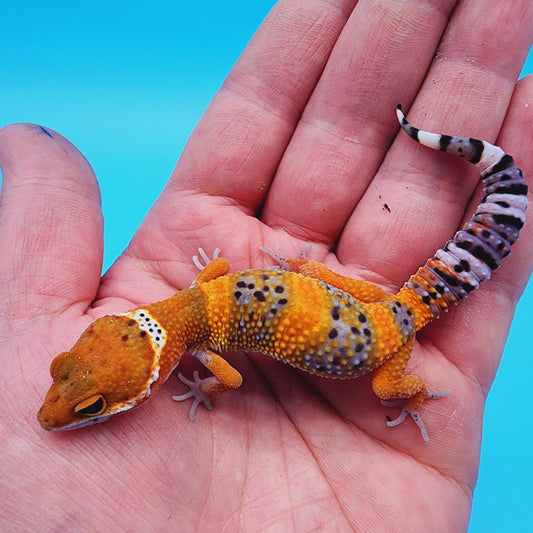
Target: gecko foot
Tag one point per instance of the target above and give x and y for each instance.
(195, 393)
(414, 414)
(282, 262)
(205, 258)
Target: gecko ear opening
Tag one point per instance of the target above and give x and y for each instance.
(93, 406)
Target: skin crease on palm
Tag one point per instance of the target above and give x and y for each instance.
(307, 113)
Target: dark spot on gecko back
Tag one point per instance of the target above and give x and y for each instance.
(260, 296)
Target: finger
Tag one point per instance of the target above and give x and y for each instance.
(50, 223)
(237, 145)
(384, 50)
(427, 193)
(226, 167)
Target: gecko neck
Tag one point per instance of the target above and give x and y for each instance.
(182, 315)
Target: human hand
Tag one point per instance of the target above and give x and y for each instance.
(293, 149)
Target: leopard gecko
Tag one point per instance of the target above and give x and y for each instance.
(299, 312)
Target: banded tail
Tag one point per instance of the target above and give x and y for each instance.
(476, 250)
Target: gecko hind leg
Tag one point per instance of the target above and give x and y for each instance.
(394, 388)
(362, 290)
(288, 264)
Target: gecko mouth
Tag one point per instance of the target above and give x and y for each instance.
(50, 426)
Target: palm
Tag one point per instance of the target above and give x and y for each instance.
(287, 447)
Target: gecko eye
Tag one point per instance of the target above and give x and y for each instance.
(92, 406)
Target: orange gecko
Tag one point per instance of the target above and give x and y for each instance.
(300, 313)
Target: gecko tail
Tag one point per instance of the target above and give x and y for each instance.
(479, 247)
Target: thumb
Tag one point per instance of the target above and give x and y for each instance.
(50, 224)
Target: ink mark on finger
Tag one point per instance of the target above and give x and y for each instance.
(46, 131)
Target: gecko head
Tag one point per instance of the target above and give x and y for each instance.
(112, 368)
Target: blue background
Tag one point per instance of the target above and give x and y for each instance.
(126, 82)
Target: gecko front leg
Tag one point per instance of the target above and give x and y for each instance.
(224, 378)
(212, 269)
